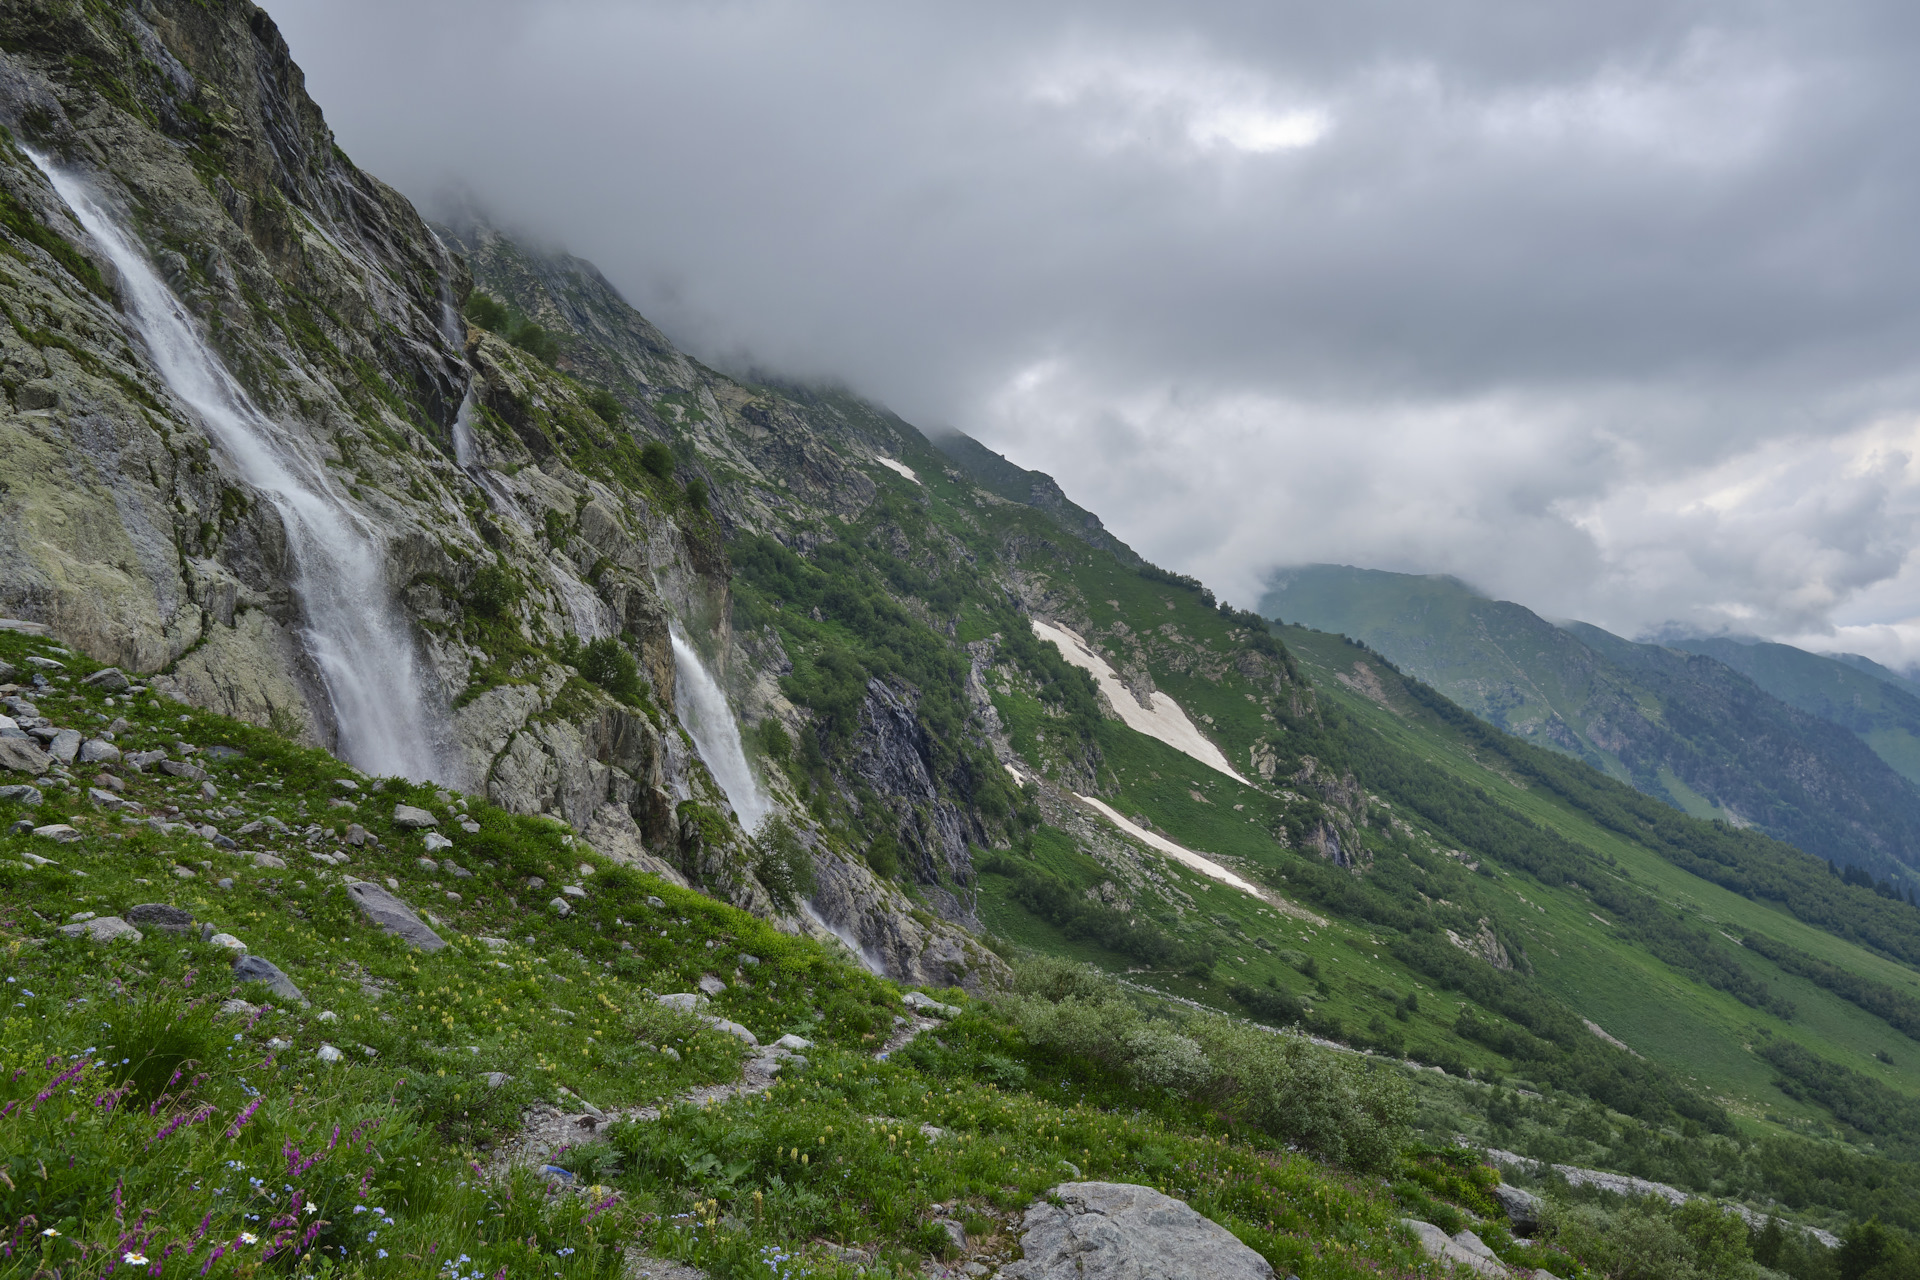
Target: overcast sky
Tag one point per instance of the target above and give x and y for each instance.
(1608, 308)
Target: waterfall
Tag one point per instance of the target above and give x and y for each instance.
(351, 631)
(708, 720)
(867, 955)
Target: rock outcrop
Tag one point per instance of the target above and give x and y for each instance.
(1117, 1231)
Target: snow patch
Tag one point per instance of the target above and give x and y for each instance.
(1196, 861)
(900, 467)
(1165, 721)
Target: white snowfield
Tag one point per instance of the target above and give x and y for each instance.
(1166, 721)
(1197, 861)
(901, 467)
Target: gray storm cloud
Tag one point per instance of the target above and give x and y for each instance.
(1609, 309)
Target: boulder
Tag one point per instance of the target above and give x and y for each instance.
(396, 917)
(65, 745)
(22, 794)
(1522, 1208)
(683, 1001)
(22, 756)
(710, 985)
(436, 842)
(1117, 1231)
(560, 907)
(102, 929)
(268, 861)
(228, 941)
(1451, 1249)
(926, 1004)
(733, 1029)
(110, 679)
(98, 751)
(162, 916)
(58, 832)
(408, 818)
(260, 969)
(183, 769)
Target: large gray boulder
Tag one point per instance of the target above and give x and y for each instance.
(102, 929)
(393, 915)
(1116, 1231)
(259, 969)
(1522, 1207)
(162, 916)
(409, 818)
(1466, 1249)
(22, 756)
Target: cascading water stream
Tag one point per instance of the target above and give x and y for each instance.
(352, 632)
(708, 720)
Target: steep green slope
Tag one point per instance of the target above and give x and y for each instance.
(1880, 707)
(1684, 727)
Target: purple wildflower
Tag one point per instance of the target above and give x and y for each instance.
(240, 1121)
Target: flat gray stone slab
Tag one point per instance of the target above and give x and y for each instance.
(1118, 1231)
(413, 819)
(22, 756)
(102, 929)
(259, 969)
(393, 915)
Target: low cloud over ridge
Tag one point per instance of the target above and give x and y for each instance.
(1610, 311)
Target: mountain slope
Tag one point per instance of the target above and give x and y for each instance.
(649, 599)
(1681, 726)
(1878, 706)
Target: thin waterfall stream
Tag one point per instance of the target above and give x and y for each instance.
(702, 707)
(351, 629)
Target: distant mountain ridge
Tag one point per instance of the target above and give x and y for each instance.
(1811, 750)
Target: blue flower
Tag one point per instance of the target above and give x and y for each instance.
(381, 1253)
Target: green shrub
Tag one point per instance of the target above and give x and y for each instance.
(883, 855)
(657, 459)
(492, 592)
(607, 663)
(784, 865)
(535, 341)
(1648, 1240)
(604, 406)
(697, 495)
(775, 742)
(486, 311)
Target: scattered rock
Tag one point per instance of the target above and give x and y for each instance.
(393, 915)
(497, 1078)
(436, 842)
(1117, 1231)
(22, 756)
(656, 903)
(710, 985)
(239, 1008)
(428, 864)
(32, 859)
(22, 794)
(102, 929)
(327, 1053)
(573, 891)
(358, 835)
(469, 826)
(98, 751)
(955, 1233)
(105, 799)
(459, 873)
(412, 819)
(109, 781)
(790, 1041)
(669, 1052)
(327, 1015)
(228, 941)
(926, 1004)
(182, 769)
(45, 664)
(683, 1001)
(109, 679)
(58, 832)
(268, 861)
(536, 883)
(493, 944)
(560, 907)
(747, 961)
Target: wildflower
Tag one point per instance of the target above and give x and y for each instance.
(381, 1253)
(51, 1231)
(247, 1237)
(134, 1259)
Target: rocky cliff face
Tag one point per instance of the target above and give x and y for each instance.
(514, 514)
